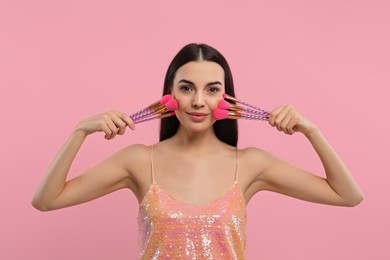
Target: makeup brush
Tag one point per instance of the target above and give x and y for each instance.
(171, 105)
(226, 96)
(168, 114)
(220, 114)
(233, 107)
(152, 106)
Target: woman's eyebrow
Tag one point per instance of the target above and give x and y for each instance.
(208, 84)
(185, 81)
(214, 83)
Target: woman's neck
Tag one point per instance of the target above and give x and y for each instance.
(195, 141)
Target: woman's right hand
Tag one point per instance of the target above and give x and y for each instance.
(111, 123)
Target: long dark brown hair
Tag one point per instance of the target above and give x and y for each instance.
(226, 130)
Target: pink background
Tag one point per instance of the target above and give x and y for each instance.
(61, 61)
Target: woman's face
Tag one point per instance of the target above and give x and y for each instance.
(197, 87)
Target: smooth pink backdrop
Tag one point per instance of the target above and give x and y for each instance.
(61, 61)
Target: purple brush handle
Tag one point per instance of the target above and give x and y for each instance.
(145, 113)
(252, 106)
(139, 113)
(263, 117)
(145, 119)
(257, 112)
(148, 119)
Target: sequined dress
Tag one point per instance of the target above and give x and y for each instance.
(171, 229)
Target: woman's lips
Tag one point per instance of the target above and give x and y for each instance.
(197, 117)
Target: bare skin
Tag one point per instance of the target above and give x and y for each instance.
(194, 166)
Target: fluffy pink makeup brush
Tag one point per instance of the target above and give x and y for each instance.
(151, 107)
(156, 110)
(233, 111)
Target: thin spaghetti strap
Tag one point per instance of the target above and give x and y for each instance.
(237, 164)
(151, 163)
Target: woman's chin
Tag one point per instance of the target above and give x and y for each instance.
(198, 127)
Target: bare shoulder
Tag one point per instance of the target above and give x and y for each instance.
(250, 151)
(136, 150)
(254, 155)
(134, 157)
(258, 160)
(253, 163)
(131, 155)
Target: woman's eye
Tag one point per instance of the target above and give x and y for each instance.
(213, 90)
(185, 88)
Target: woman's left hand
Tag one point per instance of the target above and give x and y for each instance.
(287, 119)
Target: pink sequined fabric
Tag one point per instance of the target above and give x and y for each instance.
(171, 229)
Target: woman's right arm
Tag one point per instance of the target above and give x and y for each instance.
(55, 192)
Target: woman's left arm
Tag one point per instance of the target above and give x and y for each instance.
(338, 188)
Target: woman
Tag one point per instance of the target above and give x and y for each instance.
(194, 184)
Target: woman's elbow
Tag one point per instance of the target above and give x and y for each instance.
(356, 200)
(39, 205)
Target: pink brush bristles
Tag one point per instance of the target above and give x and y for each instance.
(172, 105)
(156, 110)
(220, 114)
(224, 104)
(165, 99)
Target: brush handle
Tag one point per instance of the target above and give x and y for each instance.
(147, 110)
(252, 106)
(140, 113)
(153, 117)
(146, 113)
(263, 117)
(159, 110)
(146, 119)
(152, 107)
(256, 112)
(226, 96)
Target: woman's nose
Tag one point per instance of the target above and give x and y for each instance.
(198, 100)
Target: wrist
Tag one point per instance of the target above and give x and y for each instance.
(313, 132)
(80, 132)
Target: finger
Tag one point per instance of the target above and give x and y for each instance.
(104, 127)
(273, 114)
(127, 120)
(286, 121)
(119, 123)
(280, 117)
(113, 128)
(290, 128)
